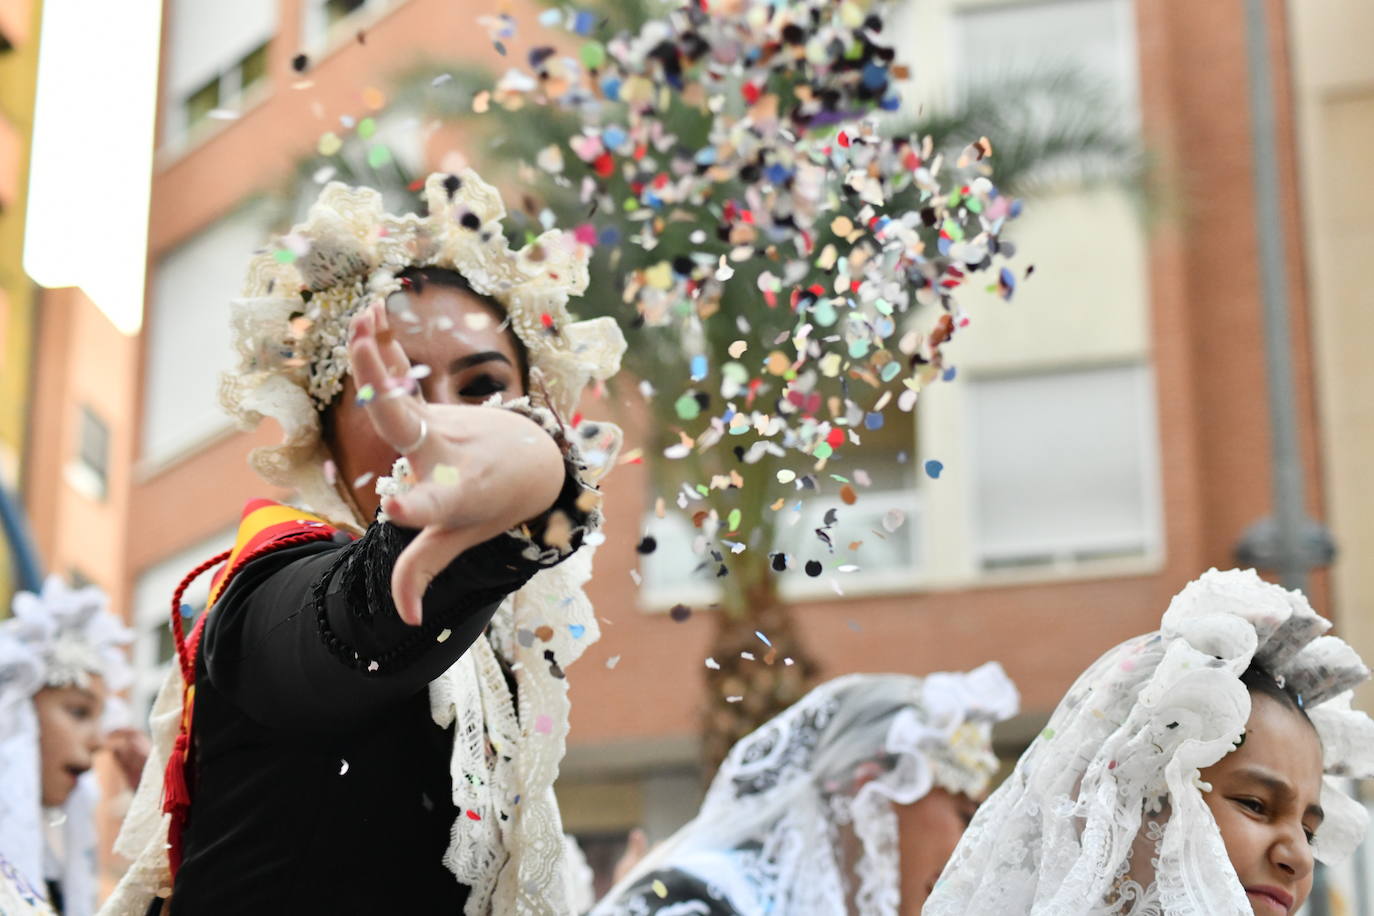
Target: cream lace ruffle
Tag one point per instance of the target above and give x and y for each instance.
(290, 327)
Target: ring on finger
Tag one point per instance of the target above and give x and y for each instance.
(419, 440)
(399, 391)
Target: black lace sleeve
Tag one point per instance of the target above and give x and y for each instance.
(308, 636)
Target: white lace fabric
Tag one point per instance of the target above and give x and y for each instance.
(507, 842)
(767, 838)
(290, 327)
(56, 638)
(1104, 814)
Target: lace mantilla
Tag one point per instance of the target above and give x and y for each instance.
(1103, 813)
(768, 836)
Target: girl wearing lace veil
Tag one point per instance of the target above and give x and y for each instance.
(370, 715)
(1188, 772)
(849, 801)
(61, 659)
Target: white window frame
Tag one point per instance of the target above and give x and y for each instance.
(87, 479)
(322, 39)
(183, 136)
(154, 457)
(1075, 557)
(795, 585)
(1127, 56)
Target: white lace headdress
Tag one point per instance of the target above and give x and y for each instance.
(57, 638)
(767, 836)
(1104, 813)
(290, 327)
(290, 331)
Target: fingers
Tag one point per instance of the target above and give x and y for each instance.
(394, 414)
(419, 508)
(423, 559)
(393, 354)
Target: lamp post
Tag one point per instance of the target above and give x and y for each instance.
(26, 565)
(1288, 542)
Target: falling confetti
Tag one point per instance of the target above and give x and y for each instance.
(793, 266)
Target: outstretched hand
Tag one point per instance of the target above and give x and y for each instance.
(479, 471)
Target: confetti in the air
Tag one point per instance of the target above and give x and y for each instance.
(789, 261)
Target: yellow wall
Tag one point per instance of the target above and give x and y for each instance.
(1334, 89)
(18, 76)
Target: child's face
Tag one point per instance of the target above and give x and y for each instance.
(1266, 799)
(927, 833)
(68, 734)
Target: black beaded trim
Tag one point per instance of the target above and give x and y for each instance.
(425, 635)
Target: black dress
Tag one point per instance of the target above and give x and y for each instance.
(320, 782)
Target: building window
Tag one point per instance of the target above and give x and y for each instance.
(253, 68)
(882, 471)
(79, 579)
(338, 10)
(331, 21)
(217, 61)
(1005, 43)
(88, 472)
(180, 400)
(201, 102)
(226, 90)
(1065, 467)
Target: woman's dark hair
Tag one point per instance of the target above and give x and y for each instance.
(418, 277)
(1257, 680)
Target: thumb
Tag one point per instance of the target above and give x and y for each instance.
(423, 559)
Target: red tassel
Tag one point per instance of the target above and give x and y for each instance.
(176, 786)
(175, 793)
(176, 798)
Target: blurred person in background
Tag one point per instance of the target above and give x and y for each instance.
(1188, 771)
(370, 715)
(62, 660)
(850, 801)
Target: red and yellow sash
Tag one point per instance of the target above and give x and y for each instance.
(265, 526)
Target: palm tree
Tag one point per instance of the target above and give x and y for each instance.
(1048, 128)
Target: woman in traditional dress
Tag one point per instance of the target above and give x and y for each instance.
(849, 801)
(370, 715)
(61, 660)
(1188, 772)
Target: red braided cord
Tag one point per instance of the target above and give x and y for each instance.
(186, 648)
(188, 663)
(176, 799)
